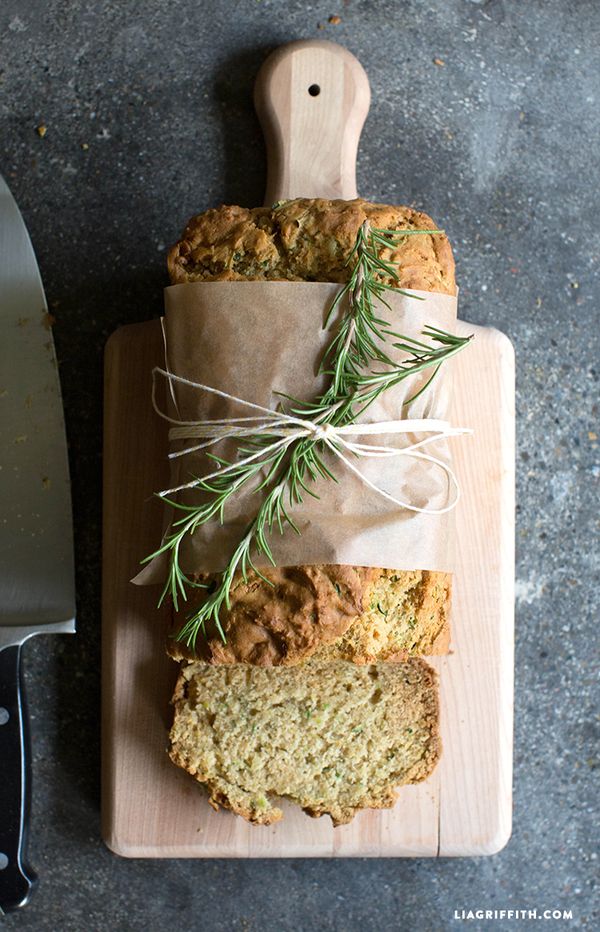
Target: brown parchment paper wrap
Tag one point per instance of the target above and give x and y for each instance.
(254, 339)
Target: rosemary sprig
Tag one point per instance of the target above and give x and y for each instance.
(289, 468)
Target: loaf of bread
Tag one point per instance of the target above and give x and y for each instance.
(336, 612)
(333, 737)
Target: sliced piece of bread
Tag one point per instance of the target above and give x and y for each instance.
(332, 736)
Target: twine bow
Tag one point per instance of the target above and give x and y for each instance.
(289, 428)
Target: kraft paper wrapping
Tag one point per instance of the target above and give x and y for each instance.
(254, 339)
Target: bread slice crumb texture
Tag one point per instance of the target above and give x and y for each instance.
(333, 737)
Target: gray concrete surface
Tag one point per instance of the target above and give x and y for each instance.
(148, 113)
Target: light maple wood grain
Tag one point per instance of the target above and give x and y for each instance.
(311, 140)
(152, 809)
(149, 807)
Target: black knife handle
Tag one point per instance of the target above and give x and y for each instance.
(17, 880)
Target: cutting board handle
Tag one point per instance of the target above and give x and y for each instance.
(312, 98)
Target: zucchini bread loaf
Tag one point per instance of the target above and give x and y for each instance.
(331, 612)
(332, 737)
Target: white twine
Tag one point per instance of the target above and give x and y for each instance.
(289, 428)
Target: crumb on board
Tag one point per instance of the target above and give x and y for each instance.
(41, 130)
(439, 62)
(335, 20)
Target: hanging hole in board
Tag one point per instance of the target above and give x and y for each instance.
(314, 90)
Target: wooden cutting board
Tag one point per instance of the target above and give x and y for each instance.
(149, 807)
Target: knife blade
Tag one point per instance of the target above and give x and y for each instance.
(37, 589)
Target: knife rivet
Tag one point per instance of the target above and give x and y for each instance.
(3, 861)
(4, 716)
